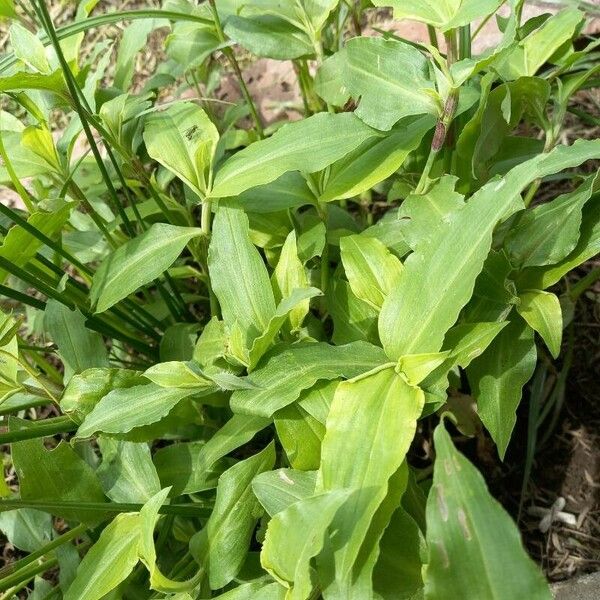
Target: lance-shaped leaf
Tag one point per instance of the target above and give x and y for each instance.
(238, 274)
(375, 415)
(279, 489)
(442, 14)
(469, 532)
(28, 48)
(392, 80)
(239, 430)
(184, 140)
(287, 550)
(497, 378)
(138, 262)
(148, 519)
(79, 347)
(124, 409)
(543, 313)
(109, 561)
(127, 473)
(375, 160)
(439, 277)
(55, 475)
(547, 233)
(309, 145)
(223, 544)
(287, 373)
(371, 268)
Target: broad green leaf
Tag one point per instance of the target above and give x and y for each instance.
(279, 489)
(28, 48)
(147, 552)
(392, 80)
(26, 529)
(269, 36)
(497, 378)
(309, 145)
(288, 275)
(375, 160)
(287, 550)
(543, 313)
(469, 532)
(239, 277)
(222, 546)
(54, 475)
(587, 247)
(178, 341)
(138, 262)
(442, 14)
(7, 9)
(79, 347)
(109, 561)
(176, 468)
(255, 591)
(300, 435)
(467, 341)
(176, 374)
(375, 415)
(86, 389)
(184, 140)
(288, 191)
(281, 380)
(420, 310)
(39, 140)
(239, 430)
(19, 246)
(353, 319)
(371, 268)
(124, 409)
(52, 82)
(547, 233)
(127, 473)
(329, 81)
(261, 344)
(539, 46)
(190, 44)
(416, 367)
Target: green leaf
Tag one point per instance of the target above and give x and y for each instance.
(309, 145)
(469, 532)
(287, 550)
(223, 545)
(176, 374)
(539, 46)
(376, 416)
(497, 378)
(190, 44)
(288, 275)
(109, 561)
(467, 341)
(86, 389)
(279, 489)
(329, 81)
(442, 14)
(281, 380)
(239, 430)
(124, 409)
(138, 262)
(28, 48)
(54, 475)
(375, 160)
(239, 277)
(420, 310)
(371, 268)
(26, 529)
(547, 233)
(269, 36)
(79, 348)
(7, 9)
(184, 140)
(300, 435)
(127, 473)
(392, 80)
(543, 313)
(19, 245)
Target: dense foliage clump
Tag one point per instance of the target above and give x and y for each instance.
(221, 338)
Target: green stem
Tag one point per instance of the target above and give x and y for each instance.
(584, 283)
(464, 48)
(433, 36)
(25, 575)
(228, 52)
(40, 429)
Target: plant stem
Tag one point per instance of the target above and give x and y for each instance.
(40, 429)
(25, 575)
(433, 36)
(228, 52)
(464, 48)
